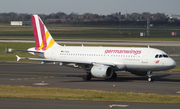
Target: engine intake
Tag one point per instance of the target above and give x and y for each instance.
(102, 71)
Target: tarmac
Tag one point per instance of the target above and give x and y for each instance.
(10, 103)
(49, 75)
(30, 74)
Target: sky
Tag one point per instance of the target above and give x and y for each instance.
(101, 7)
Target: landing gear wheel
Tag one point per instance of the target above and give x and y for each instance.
(86, 77)
(114, 76)
(150, 79)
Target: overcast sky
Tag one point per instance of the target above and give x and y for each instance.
(101, 7)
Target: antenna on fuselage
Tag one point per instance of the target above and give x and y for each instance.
(148, 46)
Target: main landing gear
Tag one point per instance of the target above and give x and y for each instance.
(150, 79)
(86, 77)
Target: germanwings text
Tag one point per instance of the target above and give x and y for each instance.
(135, 52)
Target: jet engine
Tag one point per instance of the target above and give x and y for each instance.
(102, 71)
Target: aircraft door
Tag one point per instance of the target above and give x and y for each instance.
(145, 56)
(53, 54)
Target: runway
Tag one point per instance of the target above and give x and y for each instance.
(49, 75)
(30, 74)
(102, 42)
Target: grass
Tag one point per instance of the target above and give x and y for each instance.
(177, 68)
(91, 33)
(78, 94)
(15, 45)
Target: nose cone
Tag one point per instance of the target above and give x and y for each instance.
(171, 63)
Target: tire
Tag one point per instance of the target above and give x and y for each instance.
(86, 77)
(150, 79)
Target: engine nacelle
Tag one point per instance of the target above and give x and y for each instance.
(102, 71)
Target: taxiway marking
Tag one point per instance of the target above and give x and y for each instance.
(178, 92)
(46, 77)
(39, 78)
(40, 84)
(33, 78)
(118, 105)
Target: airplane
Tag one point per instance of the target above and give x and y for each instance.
(98, 62)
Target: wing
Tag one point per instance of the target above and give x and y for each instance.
(65, 61)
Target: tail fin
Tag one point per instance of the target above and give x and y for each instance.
(43, 38)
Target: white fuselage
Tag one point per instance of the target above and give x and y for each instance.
(124, 58)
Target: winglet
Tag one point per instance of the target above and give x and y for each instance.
(18, 58)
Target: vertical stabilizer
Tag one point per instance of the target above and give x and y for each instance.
(43, 38)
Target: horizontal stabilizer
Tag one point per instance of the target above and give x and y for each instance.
(28, 51)
(18, 58)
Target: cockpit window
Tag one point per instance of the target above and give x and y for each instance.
(161, 56)
(156, 56)
(166, 56)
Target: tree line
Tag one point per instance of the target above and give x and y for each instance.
(133, 19)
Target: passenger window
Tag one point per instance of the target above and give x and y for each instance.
(156, 56)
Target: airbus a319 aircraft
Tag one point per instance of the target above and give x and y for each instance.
(99, 62)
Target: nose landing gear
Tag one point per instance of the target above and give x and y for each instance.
(149, 74)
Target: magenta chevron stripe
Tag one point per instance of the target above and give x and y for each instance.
(35, 32)
(43, 34)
